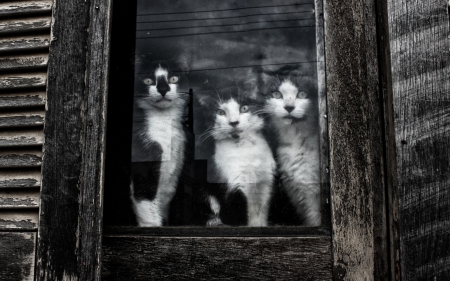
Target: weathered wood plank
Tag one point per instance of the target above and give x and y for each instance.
(420, 54)
(25, 7)
(231, 231)
(72, 181)
(22, 118)
(389, 139)
(25, 24)
(24, 62)
(21, 158)
(29, 80)
(19, 220)
(19, 199)
(17, 256)
(20, 178)
(356, 142)
(20, 138)
(26, 99)
(152, 258)
(22, 43)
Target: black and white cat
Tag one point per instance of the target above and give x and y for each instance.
(159, 144)
(292, 104)
(242, 157)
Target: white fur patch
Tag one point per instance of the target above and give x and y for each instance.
(247, 164)
(161, 72)
(215, 208)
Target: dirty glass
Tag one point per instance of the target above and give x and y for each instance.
(227, 99)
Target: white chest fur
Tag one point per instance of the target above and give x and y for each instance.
(168, 133)
(247, 164)
(166, 130)
(298, 153)
(163, 127)
(246, 160)
(299, 164)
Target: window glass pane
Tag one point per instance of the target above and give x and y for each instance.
(226, 114)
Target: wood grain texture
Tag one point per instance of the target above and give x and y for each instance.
(21, 158)
(389, 140)
(420, 50)
(19, 199)
(149, 258)
(14, 8)
(356, 142)
(24, 62)
(23, 80)
(22, 118)
(72, 177)
(15, 25)
(20, 100)
(323, 121)
(21, 138)
(24, 43)
(25, 220)
(17, 256)
(20, 175)
(22, 178)
(231, 231)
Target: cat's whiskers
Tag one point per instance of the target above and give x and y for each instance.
(211, 132)
(259, 111)
(218, 95)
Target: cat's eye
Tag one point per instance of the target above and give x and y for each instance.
(302, 95)
(173, 80)
(277, 95)
(148, 81)
(220, 112)
(244, 109)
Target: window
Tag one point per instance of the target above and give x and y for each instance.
(225, 128)
(74, 158)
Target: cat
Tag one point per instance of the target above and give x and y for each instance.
(159, 146)
(242, 158)
(291, 102)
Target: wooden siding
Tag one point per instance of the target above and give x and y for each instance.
(420, 55)
(203, 258)
(24, 41)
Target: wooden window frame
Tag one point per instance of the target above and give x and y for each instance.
(70, 232)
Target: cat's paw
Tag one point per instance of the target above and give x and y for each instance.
(215, 222)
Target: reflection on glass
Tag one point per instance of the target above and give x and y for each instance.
(225, 127)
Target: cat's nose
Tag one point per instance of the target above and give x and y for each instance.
(289, 108)
(163, 88)
(234, 124)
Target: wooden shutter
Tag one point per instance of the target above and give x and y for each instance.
(24, 42)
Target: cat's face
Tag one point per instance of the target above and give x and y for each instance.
(161, 89)
(291, 99)
(234, 114)
(233, 119)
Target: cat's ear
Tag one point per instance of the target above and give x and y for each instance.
(267, 78)
(182, 60)
(249, 88)
(205, 99)
(268, 83)
(308, 83)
